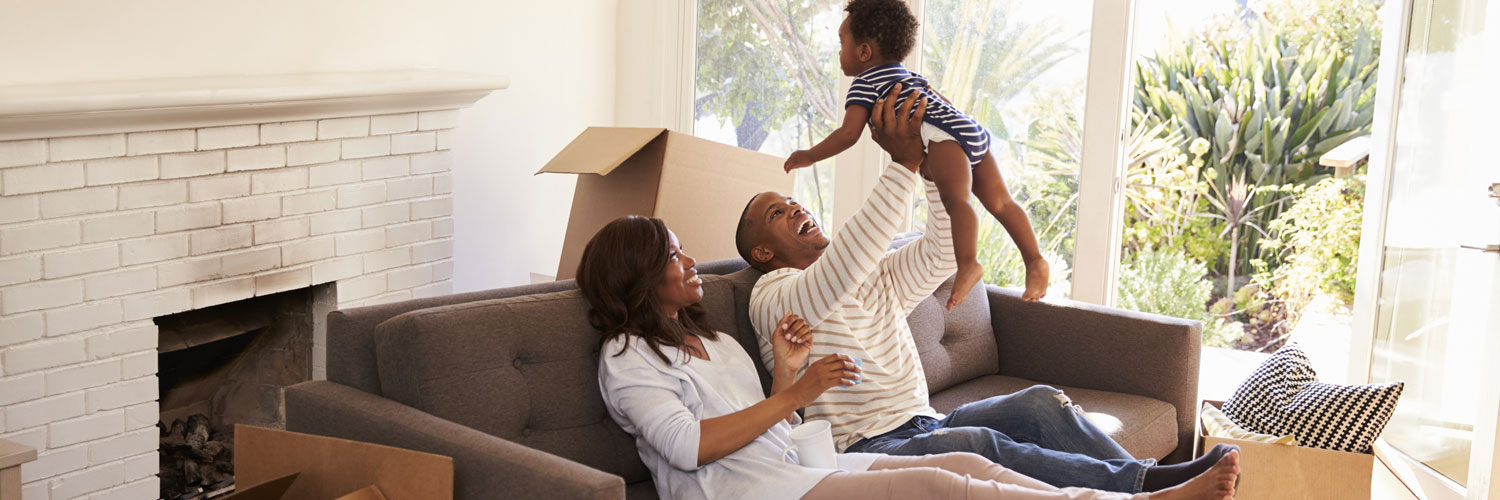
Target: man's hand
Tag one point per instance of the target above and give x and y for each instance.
(899, 131)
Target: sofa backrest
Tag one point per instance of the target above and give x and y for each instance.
(524, 367)
(351, 332)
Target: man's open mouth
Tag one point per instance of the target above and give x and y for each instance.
(807, 227)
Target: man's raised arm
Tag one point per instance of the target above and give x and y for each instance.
(919, 268)
(855, 251)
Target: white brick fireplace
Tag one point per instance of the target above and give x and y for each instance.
(121, 202)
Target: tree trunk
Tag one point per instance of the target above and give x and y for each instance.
(751, 131)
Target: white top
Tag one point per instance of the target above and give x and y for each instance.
(856, 298)
(661, 404)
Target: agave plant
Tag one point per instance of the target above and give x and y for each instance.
(1236, 207)
(1268, 110)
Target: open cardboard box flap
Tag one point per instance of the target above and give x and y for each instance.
(311, 467)
(598, 150)
(698, 186)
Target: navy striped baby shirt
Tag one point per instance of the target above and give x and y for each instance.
(876, 82)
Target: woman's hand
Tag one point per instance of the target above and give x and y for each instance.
(831, 371)
(790, 343)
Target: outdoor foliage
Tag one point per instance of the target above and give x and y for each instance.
(1168, 282)
(987, 60)
(1162, 196)
(981, 56)
(761, 66)
(1267, 109)
(1041, 172)
(770, 70)
(1340, 23)
(1229, 122)
(1316, 242)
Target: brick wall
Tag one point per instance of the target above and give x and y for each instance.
(99, 234)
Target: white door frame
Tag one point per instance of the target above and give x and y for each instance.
(1397, 16)
(1096, 247)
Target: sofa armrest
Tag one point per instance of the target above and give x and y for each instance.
(1076, 344)
(484, 466)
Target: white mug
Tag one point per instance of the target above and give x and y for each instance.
(814, 444)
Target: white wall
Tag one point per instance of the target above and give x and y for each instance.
(560, 61)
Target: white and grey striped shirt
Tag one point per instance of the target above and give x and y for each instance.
(856, 298)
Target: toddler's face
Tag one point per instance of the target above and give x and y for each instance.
(848, 61)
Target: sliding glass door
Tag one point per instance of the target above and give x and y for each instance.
(1433, 302)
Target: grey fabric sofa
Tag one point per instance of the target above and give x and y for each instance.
(504, 381)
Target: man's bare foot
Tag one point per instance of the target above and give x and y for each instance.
(967, 276)
(1038, 274)
(1216, 484)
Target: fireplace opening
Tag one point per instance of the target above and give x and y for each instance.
(225, 365)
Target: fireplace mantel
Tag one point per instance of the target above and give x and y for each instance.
(91, 108)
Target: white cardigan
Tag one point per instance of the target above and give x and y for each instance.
(661, 404)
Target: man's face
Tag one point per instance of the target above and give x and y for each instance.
(785, 231)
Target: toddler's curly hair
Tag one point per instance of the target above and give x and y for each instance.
(888, 22)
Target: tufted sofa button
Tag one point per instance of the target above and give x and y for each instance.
(517, 363)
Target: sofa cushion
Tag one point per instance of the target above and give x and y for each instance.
(741, 283)
(351, 332)
(955, 346)
(1148, 427)
(524, 369)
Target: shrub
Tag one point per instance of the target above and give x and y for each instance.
(1267, 106)
(1315, 243)
(1168, 282)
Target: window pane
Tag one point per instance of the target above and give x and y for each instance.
(1019, 67)
(767, 80)
(1229, 218)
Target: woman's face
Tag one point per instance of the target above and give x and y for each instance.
(680, 285)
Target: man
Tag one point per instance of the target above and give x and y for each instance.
(856, 298)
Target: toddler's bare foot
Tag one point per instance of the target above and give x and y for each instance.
(1217, 483)
(967, 276)
(1038, 274)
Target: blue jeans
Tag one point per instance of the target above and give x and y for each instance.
(1037, 432)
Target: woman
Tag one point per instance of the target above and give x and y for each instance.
(690, 396)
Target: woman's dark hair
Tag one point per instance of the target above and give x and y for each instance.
(618, 274)
(888, 22)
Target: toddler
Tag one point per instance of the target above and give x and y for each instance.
(873, 40)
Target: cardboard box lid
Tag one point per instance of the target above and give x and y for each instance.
(698, 186)
(598, 150)
(330, 468)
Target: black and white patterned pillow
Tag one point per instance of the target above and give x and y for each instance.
(1283, 397)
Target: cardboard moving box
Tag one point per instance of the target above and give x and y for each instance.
(1281, 472)
(329, 468)
(698, 186)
